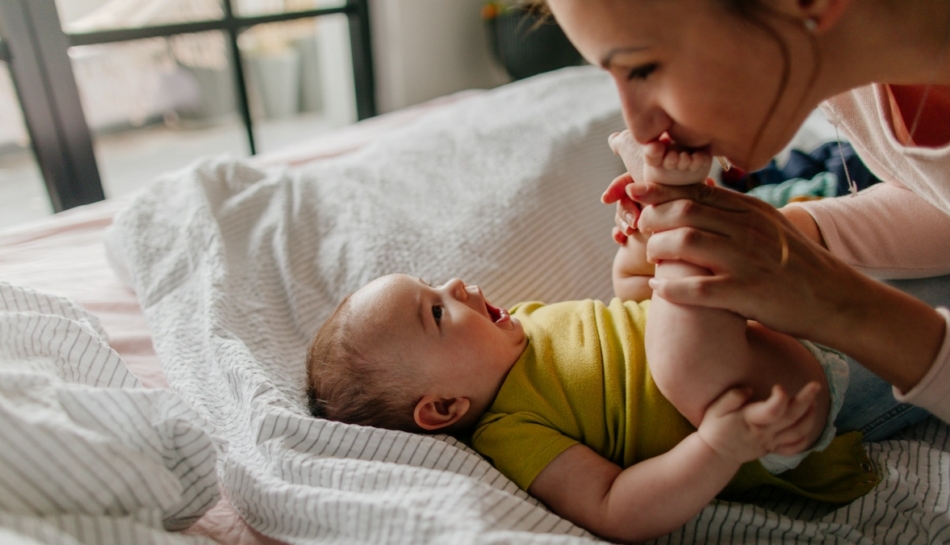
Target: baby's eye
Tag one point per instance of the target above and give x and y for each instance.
(642, 72)
(437, 313)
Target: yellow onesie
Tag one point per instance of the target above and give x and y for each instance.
(583, 378)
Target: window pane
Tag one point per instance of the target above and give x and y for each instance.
(91, 15)
(248, 8)
(156, 105)
(300, 79)
(23, 195)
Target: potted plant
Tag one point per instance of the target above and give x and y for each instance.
(525, 41)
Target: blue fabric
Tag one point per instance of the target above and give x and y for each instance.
(823, 184)
(824, 158)
(869, 405)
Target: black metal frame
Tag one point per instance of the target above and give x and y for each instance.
(36, 49)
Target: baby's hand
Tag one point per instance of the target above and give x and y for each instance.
(667, 163)
(744, 432)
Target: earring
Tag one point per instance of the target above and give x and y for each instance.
(811, 25)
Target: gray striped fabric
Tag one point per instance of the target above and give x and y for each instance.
(236, 268)
(86, 454)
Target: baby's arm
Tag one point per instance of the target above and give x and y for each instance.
(660, 494)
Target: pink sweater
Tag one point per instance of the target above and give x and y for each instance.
(898, 229)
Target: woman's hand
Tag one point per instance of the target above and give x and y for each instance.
(628, 210)
(763, 268)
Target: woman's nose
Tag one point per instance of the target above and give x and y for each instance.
(645, 121)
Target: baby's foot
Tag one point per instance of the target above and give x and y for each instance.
(667, 163)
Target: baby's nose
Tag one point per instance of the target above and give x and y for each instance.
(458, 288)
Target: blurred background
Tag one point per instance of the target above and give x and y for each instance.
(99, 96)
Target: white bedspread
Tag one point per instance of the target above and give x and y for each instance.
(86, 454)
(236, 268)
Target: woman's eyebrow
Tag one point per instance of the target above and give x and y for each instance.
(605, 62)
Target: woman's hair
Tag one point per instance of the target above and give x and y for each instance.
(755, 12)
(350, 384)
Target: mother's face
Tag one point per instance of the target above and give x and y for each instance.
(689, 68)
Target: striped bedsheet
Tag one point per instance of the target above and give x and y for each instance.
(87, 455)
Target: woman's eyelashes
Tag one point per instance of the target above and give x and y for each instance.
(437, 314)
(642, 72)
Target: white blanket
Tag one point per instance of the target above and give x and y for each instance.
(86, 454)
(236, 268)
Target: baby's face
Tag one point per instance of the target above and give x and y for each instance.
(461, 345)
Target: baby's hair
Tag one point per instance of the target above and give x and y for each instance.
(348, 383)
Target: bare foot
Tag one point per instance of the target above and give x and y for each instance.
(667, 163)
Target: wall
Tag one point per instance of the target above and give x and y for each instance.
(428, 48)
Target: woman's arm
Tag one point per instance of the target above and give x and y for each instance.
(885, 231)
(809, 294)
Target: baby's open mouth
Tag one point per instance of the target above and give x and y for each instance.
(496, 313)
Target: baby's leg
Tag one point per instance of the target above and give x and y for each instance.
(697, 353)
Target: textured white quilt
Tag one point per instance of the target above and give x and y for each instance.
(236, 268)
(86, 454)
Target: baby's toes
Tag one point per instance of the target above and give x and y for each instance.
(671, 160)
(700, 161)
(685, 160)
(653, 154)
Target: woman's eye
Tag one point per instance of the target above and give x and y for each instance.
(642, 72)
(437, 313)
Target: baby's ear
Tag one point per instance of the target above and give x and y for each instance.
(434, 413)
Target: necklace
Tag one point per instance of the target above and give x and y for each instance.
(941, 55)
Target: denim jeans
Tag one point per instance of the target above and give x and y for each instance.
(869, 405)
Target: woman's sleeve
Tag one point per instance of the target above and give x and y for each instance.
(933, 391)
(885, 231)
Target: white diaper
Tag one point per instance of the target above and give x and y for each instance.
(836, 371)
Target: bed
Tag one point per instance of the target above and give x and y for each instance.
(152, 347)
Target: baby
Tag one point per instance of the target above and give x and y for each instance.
(560, 399)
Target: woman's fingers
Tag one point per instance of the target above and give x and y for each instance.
(628, 211)
(619, 236)
(647, 193)
(617, 189)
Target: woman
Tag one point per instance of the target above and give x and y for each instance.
(738, 77)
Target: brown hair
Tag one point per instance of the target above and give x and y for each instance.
(754, 12)
(348, 383)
